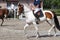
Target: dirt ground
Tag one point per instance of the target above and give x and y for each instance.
(13, 30)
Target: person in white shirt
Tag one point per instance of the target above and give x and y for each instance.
(12, 9)
(12, 6)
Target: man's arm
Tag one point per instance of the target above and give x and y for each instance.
(41, 4)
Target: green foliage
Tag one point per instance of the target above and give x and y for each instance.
(51, 4)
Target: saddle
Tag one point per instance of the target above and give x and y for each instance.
(38, 15)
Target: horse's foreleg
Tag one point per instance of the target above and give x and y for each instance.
(36, 27)
(25, 28)
(2, 22)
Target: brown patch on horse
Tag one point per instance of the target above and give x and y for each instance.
(20, 8)
(1, 11)
(48, 15)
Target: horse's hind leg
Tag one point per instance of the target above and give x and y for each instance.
(55, 31)
(2, 22)
(51, 23)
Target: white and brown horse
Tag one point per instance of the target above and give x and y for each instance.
(49, 16)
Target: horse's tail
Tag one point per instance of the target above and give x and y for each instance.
(56, 21)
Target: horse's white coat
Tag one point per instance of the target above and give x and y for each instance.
(29, 14)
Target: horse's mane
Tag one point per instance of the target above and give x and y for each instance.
(26, 5)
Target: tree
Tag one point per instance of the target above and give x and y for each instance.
(51, 3)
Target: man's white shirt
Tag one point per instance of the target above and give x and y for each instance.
(12, 6)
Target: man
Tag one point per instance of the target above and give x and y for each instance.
(37, 6)
(12, 9)
(12, 6)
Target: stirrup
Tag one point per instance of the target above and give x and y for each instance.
(37, 22)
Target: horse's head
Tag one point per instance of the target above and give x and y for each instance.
(25, 8)
(20, 9)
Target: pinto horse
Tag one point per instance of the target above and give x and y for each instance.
(49, 16)
(3, 13)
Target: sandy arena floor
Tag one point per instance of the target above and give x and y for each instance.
(13, 30)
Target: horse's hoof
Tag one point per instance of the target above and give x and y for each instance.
(1, 24)
(54, 35)
(26, 36)
(49, 33)
(37, 36)
(25, 33)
